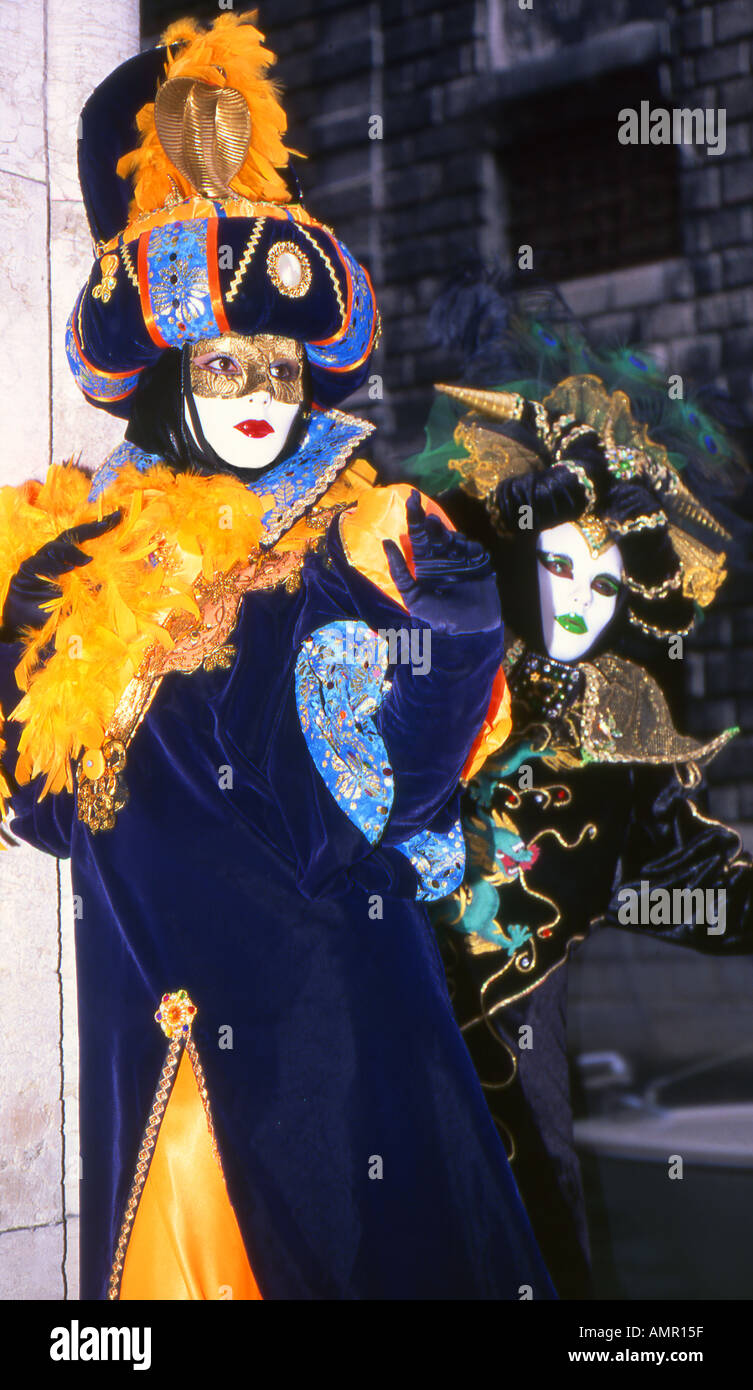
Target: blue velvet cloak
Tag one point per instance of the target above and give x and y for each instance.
(254, 897)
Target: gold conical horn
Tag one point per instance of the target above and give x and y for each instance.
(681, 502)
(497, 405)
(205, 132)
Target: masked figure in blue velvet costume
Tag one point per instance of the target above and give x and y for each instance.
(210, 708)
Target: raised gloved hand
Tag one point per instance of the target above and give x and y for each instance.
(33, 584)
(455, 590)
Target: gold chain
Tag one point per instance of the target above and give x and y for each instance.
(647, 522)
(659, 590)
(663, 632)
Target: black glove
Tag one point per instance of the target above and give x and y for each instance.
(455, 590)
(34, 582)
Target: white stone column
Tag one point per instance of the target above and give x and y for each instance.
(54, 52)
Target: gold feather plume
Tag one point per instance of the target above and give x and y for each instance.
(228, 56)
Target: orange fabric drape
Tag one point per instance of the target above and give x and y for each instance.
(377, 515)
(185, 1242)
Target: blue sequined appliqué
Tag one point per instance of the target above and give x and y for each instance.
(338, 689)
(340, 683)
(439, 861)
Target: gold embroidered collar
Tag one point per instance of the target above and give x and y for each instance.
(620, 715)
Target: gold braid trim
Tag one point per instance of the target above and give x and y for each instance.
(580, 473)
(130, 270)
(175, 1016)
(159, 1105)
(245, 261)
(572, 435)
(331, 269)
(198, 1072)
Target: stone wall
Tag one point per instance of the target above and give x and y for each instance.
(55, 53)
(456, 85)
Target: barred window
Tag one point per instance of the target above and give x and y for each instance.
(583, 201)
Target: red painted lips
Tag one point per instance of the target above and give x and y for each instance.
(255, 429)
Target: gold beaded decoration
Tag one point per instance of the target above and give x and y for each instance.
(594, 533)
(657, 590)
(648, 522)
(276, 255)
(664, 633)
(577, 433)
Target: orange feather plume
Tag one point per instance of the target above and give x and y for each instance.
(229, 54)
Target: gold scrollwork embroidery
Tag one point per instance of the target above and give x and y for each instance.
(101, 788)
(108, 266)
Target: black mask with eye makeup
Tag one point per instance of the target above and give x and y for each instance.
(158, 424)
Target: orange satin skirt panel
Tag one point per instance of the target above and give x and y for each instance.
(185, 1242)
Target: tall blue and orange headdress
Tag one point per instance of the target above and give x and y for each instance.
(181, 161)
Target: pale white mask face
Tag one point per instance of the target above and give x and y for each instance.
(248, 391)
(236, 428)
(578, 591)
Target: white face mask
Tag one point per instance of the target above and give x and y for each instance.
(247, 390)
(264, 427)
(578, 591)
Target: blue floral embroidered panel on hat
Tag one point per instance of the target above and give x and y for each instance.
(178, 282)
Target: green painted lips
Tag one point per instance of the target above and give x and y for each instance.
(572, 622)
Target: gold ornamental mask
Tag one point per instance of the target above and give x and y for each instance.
(234, 365)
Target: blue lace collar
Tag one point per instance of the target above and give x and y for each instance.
(294, 483)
